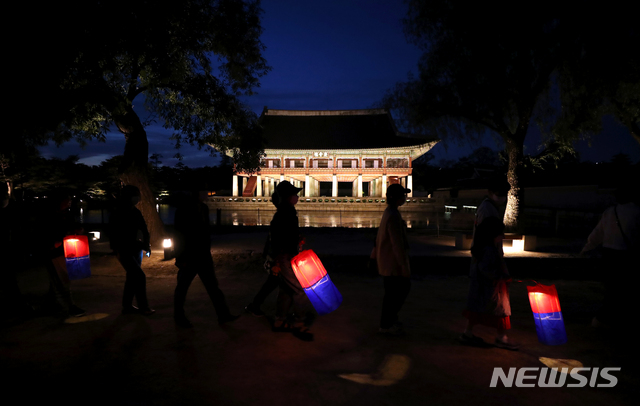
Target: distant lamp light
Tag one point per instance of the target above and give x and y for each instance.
(512, 246)
(167, 244)
(516, 246)
(95, 235)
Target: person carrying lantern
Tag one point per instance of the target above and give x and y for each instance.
(59, 224)
(488, 300)
(193, 257)
(617, 234)
(125, 223)
(392, 258)
(285, 244)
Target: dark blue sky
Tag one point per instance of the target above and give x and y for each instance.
(332, 55)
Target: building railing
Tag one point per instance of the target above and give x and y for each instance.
(321, 200)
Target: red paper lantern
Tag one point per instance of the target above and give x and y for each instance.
(76, 253)
(308, 268)
(313, 278)
(76, 246)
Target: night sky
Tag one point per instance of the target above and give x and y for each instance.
(333, 55)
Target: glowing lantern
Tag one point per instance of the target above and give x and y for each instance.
(168, 248)
(547, 314)
(76, 253)
(315, 281)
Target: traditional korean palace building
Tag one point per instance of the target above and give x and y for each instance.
(309, 148)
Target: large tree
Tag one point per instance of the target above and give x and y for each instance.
(485, 68)
(185, 61)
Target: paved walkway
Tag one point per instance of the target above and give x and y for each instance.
(137, 360)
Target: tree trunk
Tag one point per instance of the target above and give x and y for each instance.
(134, 169)
(515, 152)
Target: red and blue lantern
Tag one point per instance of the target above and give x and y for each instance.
(76, 254)
(315, 281)
(547, 314)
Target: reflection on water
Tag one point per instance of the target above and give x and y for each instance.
(263, 218)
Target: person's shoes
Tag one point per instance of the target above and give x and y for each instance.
(507, 345)
(395, 330)
(75, 311)
(303, 334)
(254, 310)
(182, 321)
(134, 310)
(471, 340)
(130, 310)
(280, 326)
(147, 312)
(309, 318)
(228, 318)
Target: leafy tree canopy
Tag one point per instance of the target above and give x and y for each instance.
(600, 73)
(187, 61)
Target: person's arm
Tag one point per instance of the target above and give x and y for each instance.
(595, 238)
(490, 265)
(398, 243)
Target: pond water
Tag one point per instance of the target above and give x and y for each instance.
(263, 218)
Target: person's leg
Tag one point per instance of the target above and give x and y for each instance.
(403, 289)
(502, 340)
(284, 300)
(135, 283)
(297, 297)
(60, 286)
(206, 271)
(269, 286)
(184, 279)
(468, 330)
(394, 295)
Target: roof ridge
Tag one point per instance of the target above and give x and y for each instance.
(356, 112)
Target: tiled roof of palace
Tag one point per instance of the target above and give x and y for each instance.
(325, 129)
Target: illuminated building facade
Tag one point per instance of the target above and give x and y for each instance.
(324, 151)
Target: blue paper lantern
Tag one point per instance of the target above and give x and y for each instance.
(322, 293)
(547, 314)
(324, 296)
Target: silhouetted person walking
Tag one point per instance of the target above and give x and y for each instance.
(59, 224)
(285, 244)
(193, 257)
(126, 225)
(392, 257)
(12, 255)
(488, 300)
(617, 234)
